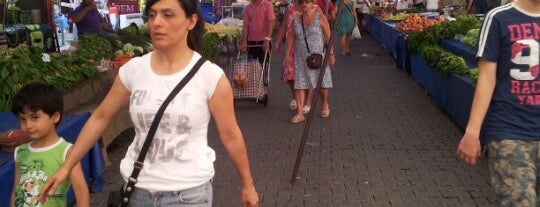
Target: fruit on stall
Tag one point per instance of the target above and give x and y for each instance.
(413, 22)
(396, 17)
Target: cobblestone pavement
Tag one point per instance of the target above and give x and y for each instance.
(386, 143)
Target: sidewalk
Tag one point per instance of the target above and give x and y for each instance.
(385, 144)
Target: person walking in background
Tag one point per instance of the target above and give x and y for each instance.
(331, 15)
(178, 168)
(346, 22)
(39, 108)
(312, 28)
(257, 31)
(285, 30)
(361, 11)
(505, 107)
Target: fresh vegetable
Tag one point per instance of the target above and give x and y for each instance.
(94, 47)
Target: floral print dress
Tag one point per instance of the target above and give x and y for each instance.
(288, 68)
(304, 77)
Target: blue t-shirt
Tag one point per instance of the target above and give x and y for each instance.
(91, 22)
(510, 37)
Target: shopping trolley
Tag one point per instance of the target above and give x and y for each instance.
(249, 79)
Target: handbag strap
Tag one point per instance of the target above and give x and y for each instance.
(305, 36)
(149, 137)
(347, 6)
(304, 31)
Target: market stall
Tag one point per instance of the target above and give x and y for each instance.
(448, 73)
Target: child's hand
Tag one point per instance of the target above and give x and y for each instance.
(53, 182)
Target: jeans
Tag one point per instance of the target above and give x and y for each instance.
(200, 196)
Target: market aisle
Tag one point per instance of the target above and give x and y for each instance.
(385, 144)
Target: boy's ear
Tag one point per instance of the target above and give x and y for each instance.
(56, 117)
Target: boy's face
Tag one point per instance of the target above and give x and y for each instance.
(37, 124)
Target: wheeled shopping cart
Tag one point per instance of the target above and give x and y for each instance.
(249, 78)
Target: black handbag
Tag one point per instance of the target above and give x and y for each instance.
(314, 60)
(122, 196)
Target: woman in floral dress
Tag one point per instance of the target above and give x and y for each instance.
(317, 34)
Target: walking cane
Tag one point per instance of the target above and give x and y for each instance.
(314, 99)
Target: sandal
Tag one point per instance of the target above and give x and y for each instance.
(306, 109)
(293, 105)
(297, 119)
(325, 113)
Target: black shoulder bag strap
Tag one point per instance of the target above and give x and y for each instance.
(304, 31)
(140, 160)
(347, 6)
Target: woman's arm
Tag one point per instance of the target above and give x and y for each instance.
(290, 41)
(80, 188)
(326, 32)
(116, 99)
(222, 109)
(281, 32)
(469, 146)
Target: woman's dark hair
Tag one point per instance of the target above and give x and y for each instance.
(190, 7)
(38, 96)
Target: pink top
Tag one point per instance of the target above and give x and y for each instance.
(256, 18)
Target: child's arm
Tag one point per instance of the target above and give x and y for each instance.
(12, 201)
(78, 183)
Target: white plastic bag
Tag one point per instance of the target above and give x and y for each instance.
(356, 33)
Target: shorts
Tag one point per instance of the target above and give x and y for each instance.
(513, 167)
(200, 196)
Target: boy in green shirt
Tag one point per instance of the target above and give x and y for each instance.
(39, 107)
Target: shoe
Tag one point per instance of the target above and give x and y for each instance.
(325, 113)
(293, 105)
(347, 53)
(306, 109)
(297, 119)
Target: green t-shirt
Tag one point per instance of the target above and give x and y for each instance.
(35, 165)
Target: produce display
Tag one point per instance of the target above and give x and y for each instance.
(396, 17)
(23, 64)
(471, 38)
(414, 22)
(225, 32)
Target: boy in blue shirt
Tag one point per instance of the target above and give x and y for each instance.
(39, 107)
(508, 84)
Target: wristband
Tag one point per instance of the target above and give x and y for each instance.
(269, 39)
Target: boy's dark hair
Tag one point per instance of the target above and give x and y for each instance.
(38, 96)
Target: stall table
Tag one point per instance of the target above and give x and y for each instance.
(392, 40)
(92, 163)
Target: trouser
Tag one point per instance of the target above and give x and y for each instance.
(256, 50)
(199, 196)
(513, 166)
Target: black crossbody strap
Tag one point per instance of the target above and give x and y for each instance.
(304, 31)
(149, 137)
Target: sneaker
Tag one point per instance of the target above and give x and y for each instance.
(293, 105)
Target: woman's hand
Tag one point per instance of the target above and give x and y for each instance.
(53, 182)
(286, 59)
(250, 198)
(331, 59)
